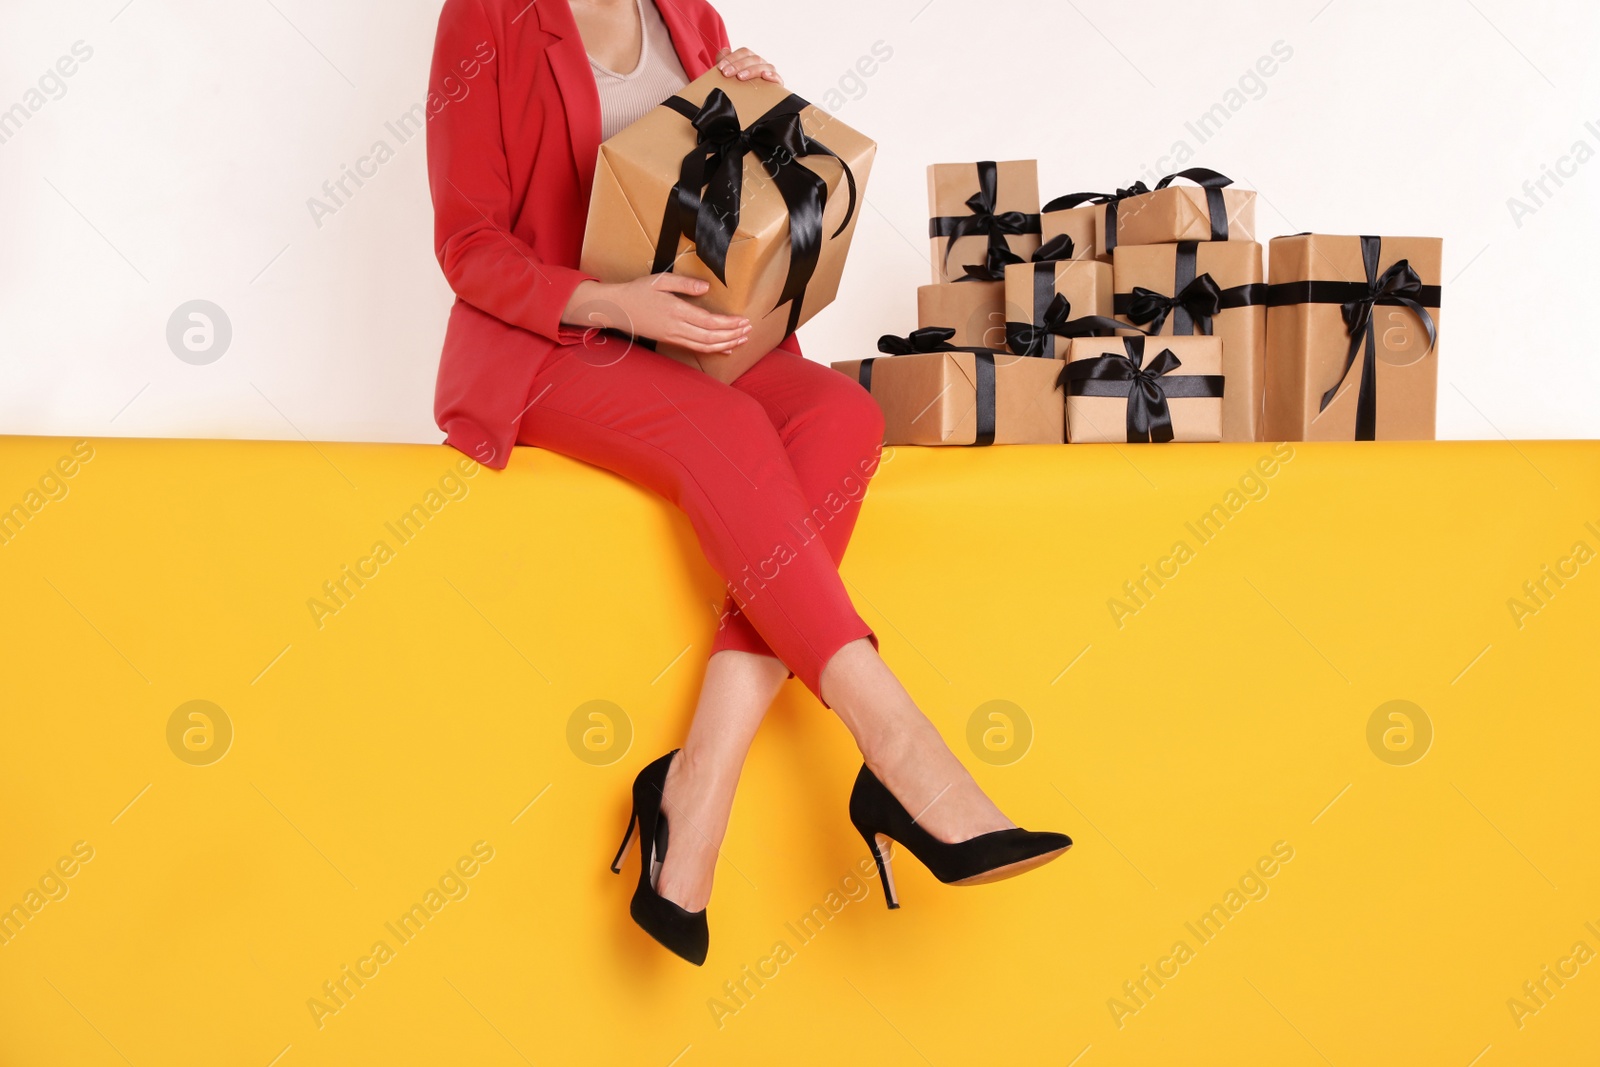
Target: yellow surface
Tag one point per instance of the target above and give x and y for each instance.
(1226, 718)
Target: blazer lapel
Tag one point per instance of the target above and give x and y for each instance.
(695, 51)
(569, 63)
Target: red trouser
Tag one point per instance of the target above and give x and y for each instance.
(769, 470)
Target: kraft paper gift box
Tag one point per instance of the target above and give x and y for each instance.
(1031, 292)
(975, 310)
(933, 393)
(1080, 225)
(726, 158)
(1210, 288)
(979, 207)
(1211, 210)
(1352, 338)
(1143, 389)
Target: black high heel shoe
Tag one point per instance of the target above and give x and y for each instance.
(684, 932)
(877, 816)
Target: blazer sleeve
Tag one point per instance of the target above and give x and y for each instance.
(486, 264)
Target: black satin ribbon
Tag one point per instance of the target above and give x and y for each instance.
(1039, 338)
(937, 339)
(983, 220)
(1399, 286)
(1193, 308)
(1213, 183)
(1147, 388)
(706, 199)
(1196, 303)
(993, 269)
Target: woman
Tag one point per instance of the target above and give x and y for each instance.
(522, 95)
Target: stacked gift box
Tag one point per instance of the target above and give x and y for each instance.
(1147, 314)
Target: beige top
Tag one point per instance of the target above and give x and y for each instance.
(626, 98)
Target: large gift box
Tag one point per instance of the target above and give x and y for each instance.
(975, 310)
(1352, 338)
(1140, 389)
(1210, 210)
(739, 183)
(1212, 288)
(979, 209)
(1052, 298)
(936, 393)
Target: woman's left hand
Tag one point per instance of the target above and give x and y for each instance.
(745, 65)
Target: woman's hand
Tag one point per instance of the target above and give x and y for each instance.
(745, 64)
(654, 307)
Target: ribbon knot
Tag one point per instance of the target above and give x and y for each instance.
(983, 221)
(1125, 373)
(1032, 339)
(1399, 282)
(1201, 298)
(706, 200)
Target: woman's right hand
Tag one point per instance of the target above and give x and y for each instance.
(654, 307)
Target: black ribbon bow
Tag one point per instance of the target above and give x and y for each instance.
(1036, 339)
(1201, 298)
(993, 269)
(706, 200)
(1147, 388)
(983, 220)
(1400, 284)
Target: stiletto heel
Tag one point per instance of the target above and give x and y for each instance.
(627, 839)
(878, 815)
(684, 932)
(885, 861)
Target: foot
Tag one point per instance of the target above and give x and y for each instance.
(931, 783)
(697, 818)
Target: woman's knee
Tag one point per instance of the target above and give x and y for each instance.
(858, 425)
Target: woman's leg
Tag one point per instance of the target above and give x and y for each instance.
(904, 749)
(714, 452)
(831, 430)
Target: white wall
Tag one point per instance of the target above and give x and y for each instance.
(177, 161)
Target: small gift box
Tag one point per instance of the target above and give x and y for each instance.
(1353, 338)
(1031, 292)
(936, 393)
(725, 182)
(1115, 393)
(1078, 224)
(979, 208)
(1210, 210)
(1211, 288)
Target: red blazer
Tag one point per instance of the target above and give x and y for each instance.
(513, 134)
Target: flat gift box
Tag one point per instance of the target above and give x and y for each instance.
(639, 168)
(1171, 213)
(1235, 298)
(933, 398)
(1032, 287)
(975, 310)
(1103, 419)
(1389, 390)
(998, 202)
